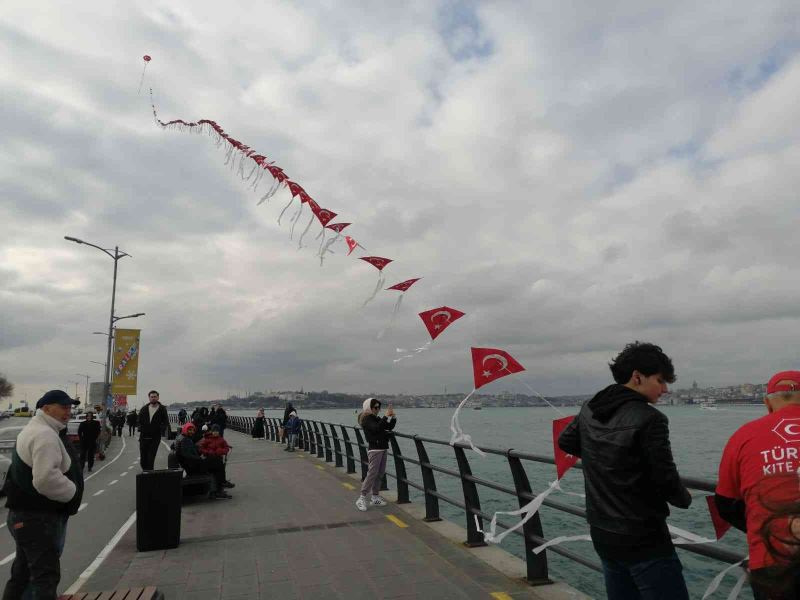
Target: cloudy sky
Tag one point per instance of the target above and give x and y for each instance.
(572, 175)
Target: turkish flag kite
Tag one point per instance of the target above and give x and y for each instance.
(404, 285)
(564, 461)
(325, 216)
(304, 197)
(438, 319)
(377, 261)
(337, 227)
(721, 526)
(351, 243)
(489, 364)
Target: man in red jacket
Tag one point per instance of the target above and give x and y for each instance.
(214, 447)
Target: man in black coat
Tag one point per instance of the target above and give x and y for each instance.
(153, 423)
(88, 432)
(630, 476)
(221, 419)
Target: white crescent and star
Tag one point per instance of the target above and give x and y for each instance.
(789, 429)
(441, 313)
(501, 359)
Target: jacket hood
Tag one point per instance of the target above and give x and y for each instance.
(609, 400)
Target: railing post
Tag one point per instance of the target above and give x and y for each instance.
(428, 482)
(362, 452)
(311, 445)
(268, 428)
(471, 500)
(400, 472)
(327, 442)
(536, 563)
(348, 451)
(337, 447)
(317, 440)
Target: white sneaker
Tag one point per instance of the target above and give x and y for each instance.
(378, 501)
(361, 504)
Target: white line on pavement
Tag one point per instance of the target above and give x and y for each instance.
(123, 474)
(84, 577)
(2, 525)
(82, 506)
(113, 482)
(98, 492)
(111, 462)
(8, 558)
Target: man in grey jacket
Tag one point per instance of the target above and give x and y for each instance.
(44, 487)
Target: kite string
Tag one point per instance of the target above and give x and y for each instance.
(546, 401)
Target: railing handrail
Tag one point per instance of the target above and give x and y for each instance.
(320, 438)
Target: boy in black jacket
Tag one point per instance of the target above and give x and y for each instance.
(630, 477)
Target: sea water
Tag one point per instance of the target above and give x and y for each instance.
(698, 438)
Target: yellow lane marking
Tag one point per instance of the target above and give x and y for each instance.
(320, 467)
(349, 486)
(396, 521)
(500, 596)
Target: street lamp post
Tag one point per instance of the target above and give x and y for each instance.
(85, 390)
(115, 256)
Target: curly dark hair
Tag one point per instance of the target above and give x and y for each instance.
(644, 357)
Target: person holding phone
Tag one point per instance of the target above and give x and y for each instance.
(376, 430)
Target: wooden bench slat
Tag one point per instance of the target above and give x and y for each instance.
(106, 595)
(134, 593)
(149, 593)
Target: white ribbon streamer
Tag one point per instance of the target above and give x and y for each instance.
(305, 231)
(280, 216)
(712, 587)
(458, 433)
(528, 510)
(381, 283)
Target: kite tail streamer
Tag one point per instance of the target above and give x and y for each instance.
(327, 249)
(528, 510)
(458, 433)
(280, 216)
(381, 283)
(270, 193)
(305, 231)
(414, 352)
(295, 218)
(568, 493)
(253, 170)
(395, 310)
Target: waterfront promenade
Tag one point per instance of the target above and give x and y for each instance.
(292, 531)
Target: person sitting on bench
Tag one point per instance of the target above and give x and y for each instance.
(195, 464)
(213, 446)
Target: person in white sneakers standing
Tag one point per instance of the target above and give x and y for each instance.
(376, 430)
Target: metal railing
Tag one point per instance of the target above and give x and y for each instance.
(322, 439)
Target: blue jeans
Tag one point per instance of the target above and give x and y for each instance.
(36, 570)
(657, 579)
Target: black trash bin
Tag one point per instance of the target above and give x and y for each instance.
(158, 509)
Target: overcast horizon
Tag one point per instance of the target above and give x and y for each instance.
(570, 177)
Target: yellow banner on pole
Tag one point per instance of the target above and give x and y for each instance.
(125, 361)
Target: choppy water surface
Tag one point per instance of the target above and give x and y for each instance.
(698, 437)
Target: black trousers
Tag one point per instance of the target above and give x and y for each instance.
(39, 538)
(131, 429)
(148, 448)
(87, 455)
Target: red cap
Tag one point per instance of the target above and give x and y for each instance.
(785, 381)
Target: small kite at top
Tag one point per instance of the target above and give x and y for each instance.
(436, 320)
(399, 287)
(146, 59)
(379, 263)
(324, 247)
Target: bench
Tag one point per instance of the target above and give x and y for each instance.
(192, 485)
(148, 593)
